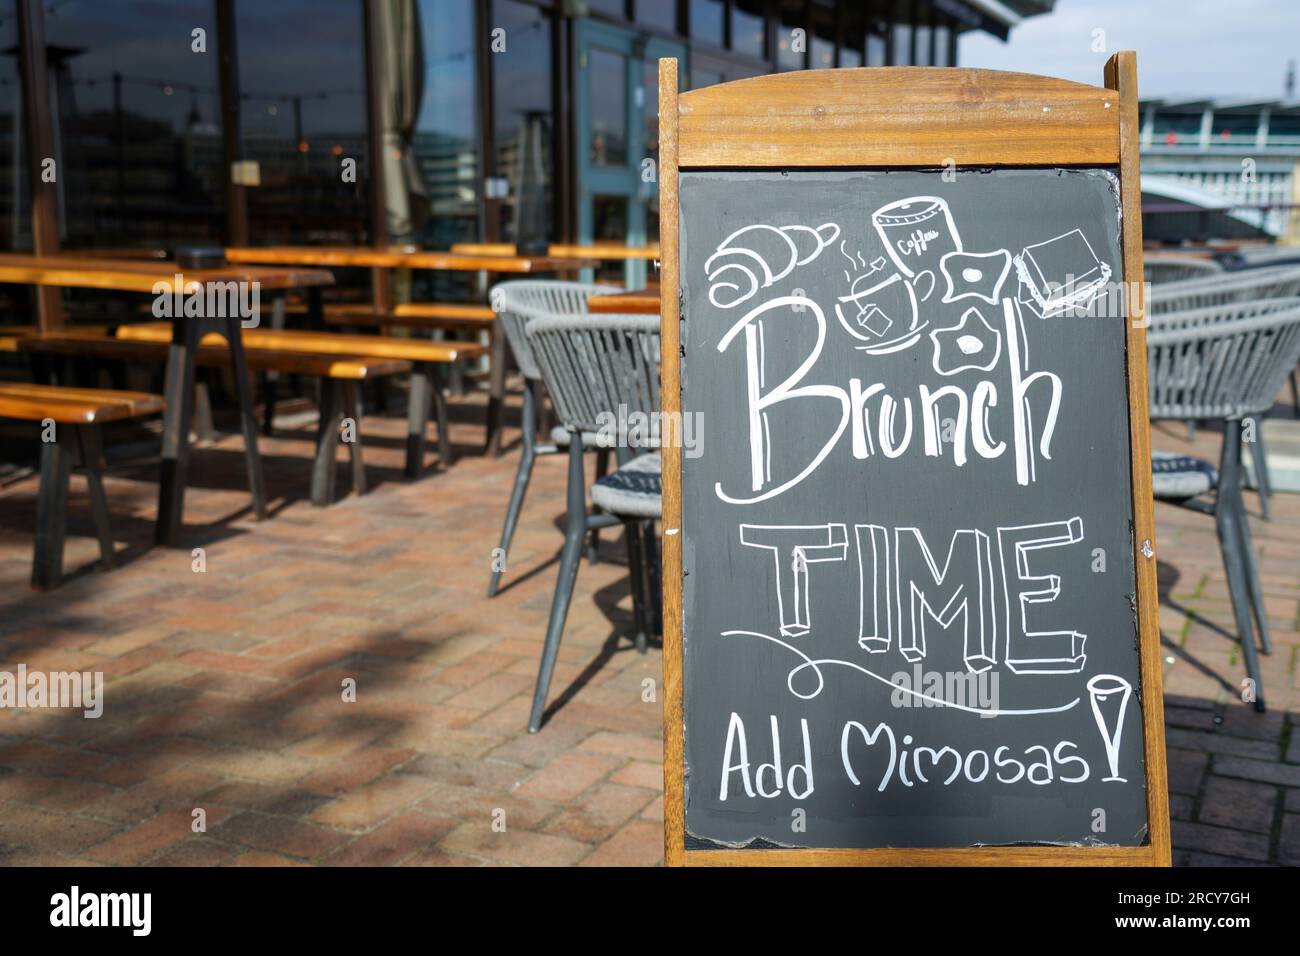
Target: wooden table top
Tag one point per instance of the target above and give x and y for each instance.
(404, 257)
(640, 302)
(321, 343)
(595, 250)
(131, 275)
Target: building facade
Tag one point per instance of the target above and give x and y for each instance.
(1221, 168)
(372, 120)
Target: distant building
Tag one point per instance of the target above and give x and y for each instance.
(1220, 168)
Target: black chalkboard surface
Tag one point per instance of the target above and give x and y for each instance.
(907, 556)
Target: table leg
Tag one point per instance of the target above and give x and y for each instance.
(271, 378)
(247, 415)
(496, 391)
(178, 391)
(417, 418)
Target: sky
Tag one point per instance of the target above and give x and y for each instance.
(1219, 48)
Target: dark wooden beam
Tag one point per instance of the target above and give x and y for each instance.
(232, 146)
(381, 293)
(39, 127)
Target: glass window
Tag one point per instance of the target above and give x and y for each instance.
(1236, 126)
(657, 13)
(15, 200)
(613, 8)
(1284, 129)
(1178, 127)
(922, 41)
(900, 40)
(607, 79)
(707, 20)
(821, 54)
(877, 49)
(302, 81)
(16, 301)
(701, 78)
(446, 131)
(137, 132)
(792, 38)
(521, 90)
(942, 42)
(747, 28)
(877, 28)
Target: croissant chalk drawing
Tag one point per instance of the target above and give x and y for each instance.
(755, 257)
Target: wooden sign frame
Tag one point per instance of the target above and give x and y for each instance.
(909, 117)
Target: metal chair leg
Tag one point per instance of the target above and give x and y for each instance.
(637, 581)
(593, 542)
(1259, 457)
(570, 557)
(1227, 514)
(1252, 578)
(51, 516)
(90, 446)
(1295, 392)
(522, 475)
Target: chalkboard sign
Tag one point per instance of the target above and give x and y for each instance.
(909, 610)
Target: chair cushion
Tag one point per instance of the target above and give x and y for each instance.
(634, 491)
(1181, 476)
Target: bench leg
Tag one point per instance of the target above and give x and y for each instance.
(327, 443)
(204, 430)
(353, 407)
(271, 378)
(417, 419)
(438, 385)
(247, 416)
(51, 516)
(179, 393)
(91, 446)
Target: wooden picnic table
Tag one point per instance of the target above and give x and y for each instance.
(409, 257)
(639, 302)
(405, 257)
(130, 275)
(605, 251)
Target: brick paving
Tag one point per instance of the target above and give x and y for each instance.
(224, 686)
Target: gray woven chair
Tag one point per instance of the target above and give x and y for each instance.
(596, 368)
(1273, 283)
(1226, 362)
(1175, 268)
(1278, 282)
(515, 303)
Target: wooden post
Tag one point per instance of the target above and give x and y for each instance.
(1121, 76)
(670, 398)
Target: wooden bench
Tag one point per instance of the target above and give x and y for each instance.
(428, 363)
(340, 377)
(75, 413)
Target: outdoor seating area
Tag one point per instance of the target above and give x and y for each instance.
(548, 449)
(220, 670)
